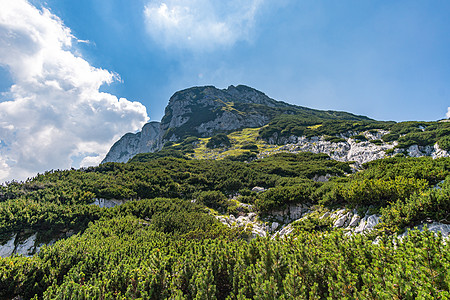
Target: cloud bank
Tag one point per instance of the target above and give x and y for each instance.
(54, 115)
(200, 25)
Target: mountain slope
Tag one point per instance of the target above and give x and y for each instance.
(205, 111)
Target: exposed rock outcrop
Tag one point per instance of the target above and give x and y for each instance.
(147, 140)
(201, 112)
(20, 245)
(205, 111)
(435, 227)
(357, 151)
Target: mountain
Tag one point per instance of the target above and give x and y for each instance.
(205, 111)
(304, 204)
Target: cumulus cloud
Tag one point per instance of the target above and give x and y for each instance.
(200, 25)
(448, 113)
(54, 111)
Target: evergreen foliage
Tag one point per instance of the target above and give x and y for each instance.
(122, 258)
(285, 126)
(166, 244)
(218, 141)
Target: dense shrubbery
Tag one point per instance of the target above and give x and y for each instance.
(213, 199)
(170, 177)
(125, 258)
(20, 214)
(433, 204)
(359, 137)
(246, 156)
(432, 170)
(251, 147)
(276, 198)
(146, 157)
(173, 248)
(304, 164)
(58, 199)
(420, 133)
(378, 192)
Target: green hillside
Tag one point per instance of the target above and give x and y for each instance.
(166, 243)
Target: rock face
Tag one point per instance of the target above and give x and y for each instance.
(204, 111)
(19, 245)
(108, 203)
(291, 212)
(434, 227)
(433, 151)
(200, 112)
(343, 151)
(147, 140)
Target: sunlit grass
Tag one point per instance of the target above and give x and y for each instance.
(237, 139)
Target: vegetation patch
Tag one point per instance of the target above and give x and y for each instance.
(285, 126)
(166, 243)
(218, 141)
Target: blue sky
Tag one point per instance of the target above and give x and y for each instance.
(389, 60)
(69, 67)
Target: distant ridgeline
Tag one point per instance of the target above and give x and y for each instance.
(195, 115)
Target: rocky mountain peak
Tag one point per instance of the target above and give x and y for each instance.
(204, 111)
(246, 94)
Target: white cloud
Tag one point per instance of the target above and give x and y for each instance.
(200, 25)
(54, 111)
(448, 113)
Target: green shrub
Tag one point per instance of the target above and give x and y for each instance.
(278, 197)
(376, 192)
(218, 141)
(417, 138)
(359, 137)
(389, 151)
(377, 142)
(245, 156)
(444, 142)
(145, 157)
(313, 224)
(213, 199)
(433, 204)
(334, 139)
(390, 137)
(251, 147)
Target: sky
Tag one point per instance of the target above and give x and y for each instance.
(77, 75)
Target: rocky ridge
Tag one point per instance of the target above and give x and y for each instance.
(147, 140)
(201, 112)
(360, 152)
(205, 111)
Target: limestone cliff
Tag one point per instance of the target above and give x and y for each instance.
(147, 140)
(204, 111)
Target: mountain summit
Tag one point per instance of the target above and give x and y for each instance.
(207, 110)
